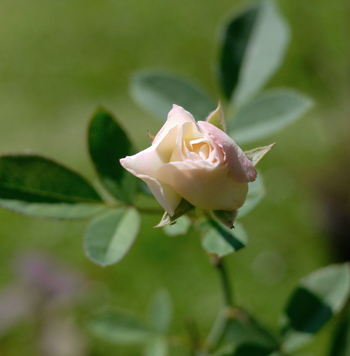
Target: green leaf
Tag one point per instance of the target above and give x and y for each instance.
(108, 143)
(252, 350)
(226, 350)
(37, 186)
(110, 236)
(341, 337)
(36, 179)
(160, 311)
(54, 211)
(217, 118)
(267, 114)
(156, 346)
(253, 46)
(258, 153)
(255, 195)
(143, 188)
(221, 240)
(183, 208)
(318, 298)
(119, 328)
(243, 329)
(179, 228)
(156, 92)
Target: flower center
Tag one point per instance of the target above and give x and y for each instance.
(198, 149)
(201, 148)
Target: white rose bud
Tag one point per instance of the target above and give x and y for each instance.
(194, 161)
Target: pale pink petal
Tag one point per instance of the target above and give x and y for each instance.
(241, 169)
(148, 161)
(205, 188)
(145, 165)
(164, 193)
(176, 117)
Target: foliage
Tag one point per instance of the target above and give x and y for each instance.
(251, 50)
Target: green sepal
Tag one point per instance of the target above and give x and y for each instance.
(183, 208)
(180, 228)
(258, 153)
(150, 136)
(226, 217)
(217, 118)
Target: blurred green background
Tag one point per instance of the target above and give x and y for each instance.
(59, 60)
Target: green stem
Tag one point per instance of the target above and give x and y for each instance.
(194, 336)
(226, 287)
(219, 328)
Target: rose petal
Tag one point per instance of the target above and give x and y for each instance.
(176, 117)
(145, 165)
(242, 170)
(148, 161)
(166, 196)
(205, 188)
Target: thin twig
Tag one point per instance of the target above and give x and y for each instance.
(219, 328)
(226, 286)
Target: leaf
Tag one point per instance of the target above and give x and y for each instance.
(119, 328)
(110, 236)
(341, 337)
(156, 346)
(108, 143)
(55, 211)
(37, 186)
(267, 114)
(37, 179)
(143, 188)
(238, 328)
(179, 228)
(183, 208)
(222, 241)
(217, 118)
(319, 297)
(226, 350)
(256, 193)
(258, 153)
(244, 329)
(252, 350)
(253, 46)
(156, 92)
(160, 311)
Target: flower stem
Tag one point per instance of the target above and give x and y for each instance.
(219, 328)
(226, 287)
(194, 336)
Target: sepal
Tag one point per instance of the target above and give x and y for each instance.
(183, 208)
(226, 217)
(258, 153)
(217, 118)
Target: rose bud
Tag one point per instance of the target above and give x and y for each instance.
(194, 161)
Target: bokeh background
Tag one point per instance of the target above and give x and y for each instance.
(59, 60)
